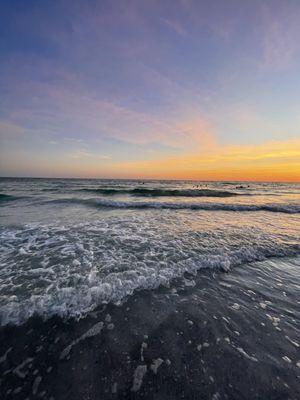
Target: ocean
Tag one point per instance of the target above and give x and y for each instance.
(120, 289)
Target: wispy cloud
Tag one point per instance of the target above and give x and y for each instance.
(175, 26)
(81, 154)
(67, 106)
(160, 80)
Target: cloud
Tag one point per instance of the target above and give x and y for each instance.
(148, 75)
(54, 108)
(81, 154)
(175, 26)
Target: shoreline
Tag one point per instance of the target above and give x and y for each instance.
(210, 336)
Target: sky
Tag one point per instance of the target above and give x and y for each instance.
(169, 89)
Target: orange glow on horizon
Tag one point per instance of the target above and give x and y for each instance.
(271, 161)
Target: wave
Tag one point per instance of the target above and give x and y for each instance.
(8, 197)
(279, 208)
(76, 301)
(144, 192)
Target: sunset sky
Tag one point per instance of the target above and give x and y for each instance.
(204, 89)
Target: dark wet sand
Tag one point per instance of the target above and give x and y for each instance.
(213, 336)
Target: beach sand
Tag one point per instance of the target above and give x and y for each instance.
(209, 336)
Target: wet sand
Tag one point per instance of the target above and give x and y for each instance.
(211, 336)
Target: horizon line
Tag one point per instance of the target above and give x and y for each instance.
(149, 179)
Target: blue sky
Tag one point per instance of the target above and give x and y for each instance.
(94, 88)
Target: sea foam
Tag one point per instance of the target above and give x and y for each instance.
(70, 270)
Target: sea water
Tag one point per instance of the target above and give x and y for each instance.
(187, 283)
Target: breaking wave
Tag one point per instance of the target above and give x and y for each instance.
(144, 192)
(102, 203)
